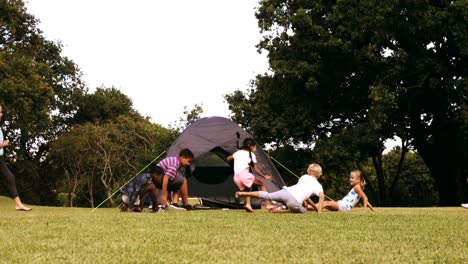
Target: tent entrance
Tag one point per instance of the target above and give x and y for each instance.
(212, 177)
(211, 167)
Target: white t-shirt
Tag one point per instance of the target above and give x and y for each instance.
(304, 188)
(242, 160)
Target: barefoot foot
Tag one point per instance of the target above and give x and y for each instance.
(248, 209)
(22, 208)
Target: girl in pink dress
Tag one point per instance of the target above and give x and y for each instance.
(244, 160)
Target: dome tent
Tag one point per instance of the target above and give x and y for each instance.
(212, 139)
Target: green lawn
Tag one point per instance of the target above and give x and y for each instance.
(75, 235)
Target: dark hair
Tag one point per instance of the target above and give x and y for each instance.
(248, 142)
(186, 153)
(156, 170)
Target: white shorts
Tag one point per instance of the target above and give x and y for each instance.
(344, 206)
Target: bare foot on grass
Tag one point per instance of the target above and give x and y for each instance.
(248, 209)
(22, 208)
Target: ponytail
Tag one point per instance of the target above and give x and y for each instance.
(362, 181)
(237, 142)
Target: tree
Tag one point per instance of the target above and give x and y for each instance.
(96, 159)
(397, 66)
(103, 105)
(412, 184)
(189, 117)
(37, 89)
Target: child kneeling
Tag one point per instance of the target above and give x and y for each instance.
(294, 196)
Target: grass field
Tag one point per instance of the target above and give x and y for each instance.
(75, 235)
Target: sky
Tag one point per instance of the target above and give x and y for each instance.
(164, 55)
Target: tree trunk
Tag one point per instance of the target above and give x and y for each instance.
(91, 193)
(443, 153)
(377, 160)
(404, 151)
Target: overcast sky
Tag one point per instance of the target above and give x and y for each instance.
(164, 55)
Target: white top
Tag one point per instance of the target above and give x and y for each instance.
(304, 188)
(351, 199)
(242, 160)
(1, 141)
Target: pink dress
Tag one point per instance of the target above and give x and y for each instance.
(242, 177)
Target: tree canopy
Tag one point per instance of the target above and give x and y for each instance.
(393, 67)
(63, 139)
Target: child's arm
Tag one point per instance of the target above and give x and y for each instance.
(361, 193)
(5, 143)
(258, 172)
(320, 203)
(309, 201)
(229, 158)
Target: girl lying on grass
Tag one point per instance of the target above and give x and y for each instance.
(352, 198)
(295, 195)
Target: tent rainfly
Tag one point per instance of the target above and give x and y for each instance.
(210, 178)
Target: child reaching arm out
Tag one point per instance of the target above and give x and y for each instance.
(357, 181)
(358, 189)
(244, 159)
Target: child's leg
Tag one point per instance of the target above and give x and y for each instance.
(284, 197)
(184, 193)
(246, 194)
(248, 206)
(151, 189)
(331, 205)
(263, 188)
(175, 197)
(275, 196)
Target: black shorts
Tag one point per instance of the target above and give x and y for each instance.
(174, 184)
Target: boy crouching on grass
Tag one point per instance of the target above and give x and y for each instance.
(134, 193)
(174, 181)
(294, 196)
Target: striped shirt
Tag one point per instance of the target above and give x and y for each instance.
(170, 166)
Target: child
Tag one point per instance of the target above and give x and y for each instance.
(244, 159)
(134, 193)
(352, 198)
(9, 177)
(173, 179)
(295, 195)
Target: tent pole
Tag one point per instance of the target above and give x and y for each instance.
(128, 181)
(294, 174)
